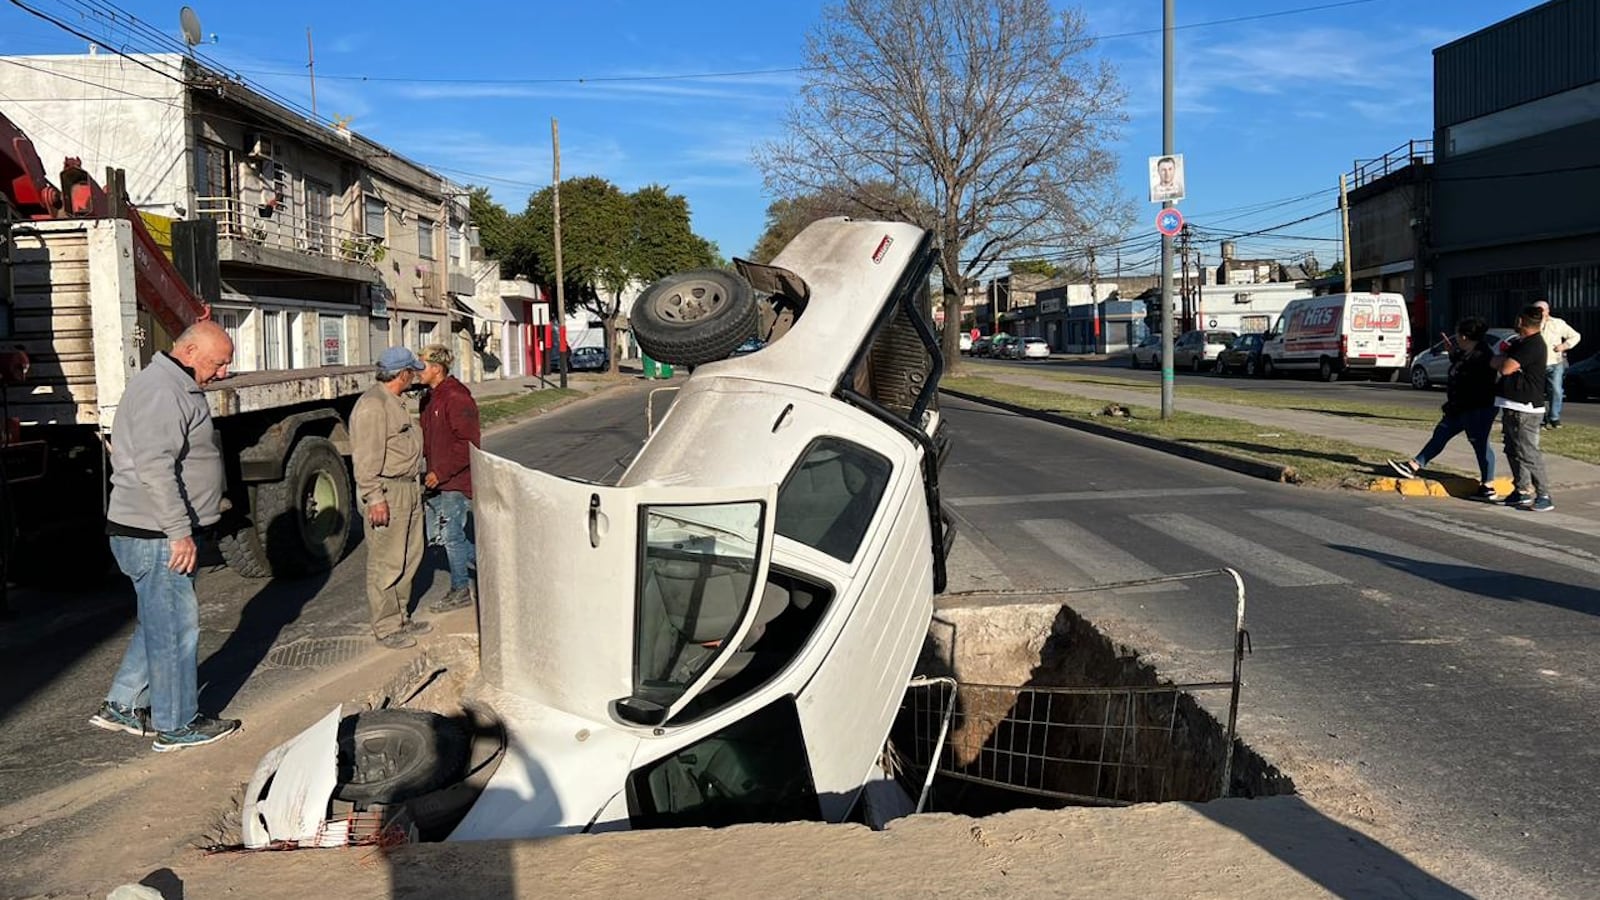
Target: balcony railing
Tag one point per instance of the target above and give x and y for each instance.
(290, 230)
(1411, 153)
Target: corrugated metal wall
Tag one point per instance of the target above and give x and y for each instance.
(1546, 50)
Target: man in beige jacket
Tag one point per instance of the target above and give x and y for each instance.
(1559, 337)
(388, 465)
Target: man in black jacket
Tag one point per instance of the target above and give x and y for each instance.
(1521, 363)
(1468, 406)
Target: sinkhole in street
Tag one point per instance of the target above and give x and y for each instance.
(1033, 707)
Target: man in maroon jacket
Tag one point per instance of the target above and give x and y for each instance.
(449, 430)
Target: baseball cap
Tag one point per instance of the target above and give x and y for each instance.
(395, 359)
(438, 354)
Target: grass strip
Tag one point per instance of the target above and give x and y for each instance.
(1320, 461)
(501, 408)
(1580, 442)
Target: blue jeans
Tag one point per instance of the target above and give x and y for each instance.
(1476, 423)
(159, 670)
(448, 514)
(1556, 390)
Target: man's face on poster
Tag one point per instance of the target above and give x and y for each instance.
(1165, 170)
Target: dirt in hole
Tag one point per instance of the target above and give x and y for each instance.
(1050, 713)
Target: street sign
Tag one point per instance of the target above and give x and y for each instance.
(1169, 222)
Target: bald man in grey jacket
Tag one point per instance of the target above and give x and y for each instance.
(166, 486)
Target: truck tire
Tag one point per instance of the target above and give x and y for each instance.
(1327, 371)
(301, 524)
(694, 317)
(392, 755)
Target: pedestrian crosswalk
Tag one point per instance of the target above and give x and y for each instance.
(1300, 548)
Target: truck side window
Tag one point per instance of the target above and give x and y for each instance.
(827, 500)
(755, 770)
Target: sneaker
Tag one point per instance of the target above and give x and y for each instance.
(1542, 503)
(1555, 423)
(1487, 494)
(203, 730)
(116, 717)
(398, 641)
(457, 598)
(414, 628)
(1403, 468)
(1519, 500)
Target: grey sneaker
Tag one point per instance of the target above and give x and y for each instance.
(399, 640)
(1519, 500)
(1543, 503)
(457, 598)
(116, 717)
(203, 730)
(414, 628)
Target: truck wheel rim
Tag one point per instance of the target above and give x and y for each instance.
(320, 507)
(690, 303)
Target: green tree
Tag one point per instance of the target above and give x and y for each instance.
(787, 216)
(991, 113)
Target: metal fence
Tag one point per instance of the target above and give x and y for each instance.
(1410, 153)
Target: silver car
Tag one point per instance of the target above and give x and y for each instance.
(1198, 350)
(1432, 366)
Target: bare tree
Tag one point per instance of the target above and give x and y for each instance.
(988, 114)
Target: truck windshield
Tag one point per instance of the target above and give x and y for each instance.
(696, 578)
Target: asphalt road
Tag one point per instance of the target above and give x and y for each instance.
(1347, 390)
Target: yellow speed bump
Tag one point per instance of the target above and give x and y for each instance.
(1445, 486)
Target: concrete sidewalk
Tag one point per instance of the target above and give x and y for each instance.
(1401, 441)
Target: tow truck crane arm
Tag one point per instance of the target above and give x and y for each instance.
(161, 290)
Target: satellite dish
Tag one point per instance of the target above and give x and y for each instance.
(190, 23)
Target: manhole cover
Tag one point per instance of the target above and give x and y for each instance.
(309, 653)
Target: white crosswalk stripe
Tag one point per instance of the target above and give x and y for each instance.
(1348, 537)
(1241, 553)
(1517, 543)
(1094, 556)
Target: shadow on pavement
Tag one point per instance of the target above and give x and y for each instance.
(1509, 587)
(1340, 860)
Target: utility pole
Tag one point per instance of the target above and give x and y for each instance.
(1094, 301)
(1344, 230)
(561, 294)
(1168, 13)
(311, 67)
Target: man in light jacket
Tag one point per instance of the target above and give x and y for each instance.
(1559, 337)
(387, 457)
(166, 489)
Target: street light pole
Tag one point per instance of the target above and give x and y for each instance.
(1166, 241)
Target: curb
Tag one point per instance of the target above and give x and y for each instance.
(1460, 488)
(1240, 464)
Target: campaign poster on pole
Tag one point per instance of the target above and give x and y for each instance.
(1166, 178)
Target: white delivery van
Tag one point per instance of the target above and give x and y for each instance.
(1340, 334)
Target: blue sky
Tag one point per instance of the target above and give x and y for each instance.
(1268, 110)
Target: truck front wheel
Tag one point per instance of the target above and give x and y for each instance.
(300, 524)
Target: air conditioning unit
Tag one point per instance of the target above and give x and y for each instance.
(262, 147)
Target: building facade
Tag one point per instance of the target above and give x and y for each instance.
(330, 247)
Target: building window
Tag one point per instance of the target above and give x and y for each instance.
(376, 213)
(319, 217)
(458, 243)
(272, 338)
(214, 186)
(424, 238)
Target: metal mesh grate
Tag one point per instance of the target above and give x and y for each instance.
(1092, 745)
(309, 653)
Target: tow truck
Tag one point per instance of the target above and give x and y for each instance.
(77, 266)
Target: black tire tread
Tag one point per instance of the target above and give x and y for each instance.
(444, 751)
(243, 553)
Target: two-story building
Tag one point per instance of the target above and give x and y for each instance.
(330, 246)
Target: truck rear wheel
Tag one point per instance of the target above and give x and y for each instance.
(301, 524)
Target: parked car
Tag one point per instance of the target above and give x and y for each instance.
(965, 342)
(727, 633)
(1198, 350)
(1006, 346)
(982, 346)
(1033, 348)
(1147, 353)
(1243, 355)
(1432, 366)
(1341, 333)
(580, 359)
(1583, 379)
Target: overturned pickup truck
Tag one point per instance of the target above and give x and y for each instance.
(727, 633)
